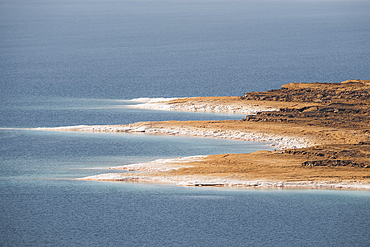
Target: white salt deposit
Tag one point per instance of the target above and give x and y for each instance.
(161, 164)
(197, 106)
(152, 100)
(281, 142)
(221, 182)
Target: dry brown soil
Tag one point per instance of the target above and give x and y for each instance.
(335, 115)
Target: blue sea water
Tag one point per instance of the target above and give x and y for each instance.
(72, 62)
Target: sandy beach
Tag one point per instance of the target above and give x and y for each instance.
(321, 132)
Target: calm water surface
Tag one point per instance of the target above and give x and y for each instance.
(80, 62)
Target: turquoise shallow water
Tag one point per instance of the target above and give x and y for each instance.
(78, 62)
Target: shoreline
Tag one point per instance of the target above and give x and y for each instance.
(181, 128)
(321, 129)
(143, 173)
(204, 104)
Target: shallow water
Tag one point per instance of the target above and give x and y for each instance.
(32, 154)
(79, 62)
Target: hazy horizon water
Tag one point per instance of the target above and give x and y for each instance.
(129, 49)
(73, 62)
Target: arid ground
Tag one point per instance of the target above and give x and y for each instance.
(331, 122)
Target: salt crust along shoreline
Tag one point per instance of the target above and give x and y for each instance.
(170, 104)
(164, 165)
(203, 182)
(161, 165)
(279, 141)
